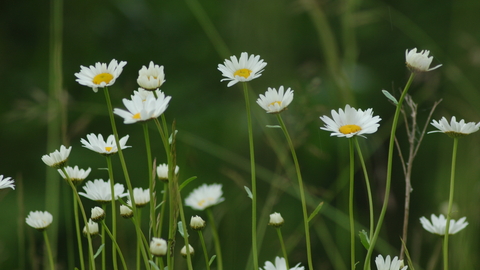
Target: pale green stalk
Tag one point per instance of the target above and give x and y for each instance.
(115, 244)
(216, 239)
(450, 203)
(114, 212)
(204, 247)
(102, 235)
(153, 220)
(367, 183)
(282, 244)
(162, 208)
(139, 243)
(302, 191)
(185, 235)
(79, 233)
(49, 250)
(350, 204)
(366, 266)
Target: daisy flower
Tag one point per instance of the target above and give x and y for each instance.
(241, 70)
(351, 122)
(276, 220)
(100, 75)
(100, 191)
(197, 223)
(39, 220)
(141, 196)
(152, 77)
(275, 101)
(438, 224)
(126, 211)
(183, 251)
(99, 145)
(389, 264)
(92, 228)
(454, 129)
(57, 159)
(280, 264)
(98, 214)
(6, 182)
(139, 109)
(162, 172)
(158, 247)
(205, 196)
(75, 174)
(419, 62)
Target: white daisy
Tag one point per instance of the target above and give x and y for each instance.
(242, 70)
(280, 264)
(197, 223)
(75, 174)
(126, 211)
(99, 145)
(455, 129)
(276, 220)
(351, 122)
(39, 220)
(158, 247)
(98, 214)
(438, 224)
(162, 172)
(92, 228)
(141, 196)
(100, 191)
(139, 109)
(145, 93)
(100, 75)
(152, 77)
(419, 62)
(275, 101)
(389, 264)
(205, 196)
(6, 182)
(57, 159)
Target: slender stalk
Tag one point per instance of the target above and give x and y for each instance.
(49, 250)
(350, 204)
(79, 233)
(302, 191)
(204, 247)
(114, 209)
(139, 243)
(185, 237)
(282, 244)
(162, 209)
(115, 244)
(450, 203)
(367, 183)
(216, 239)
(150, 180)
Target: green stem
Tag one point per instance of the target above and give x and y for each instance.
(162, 208)
(138, 219)
(302, 192)
(184, 225)
(450, 203)
(389, 172)
(79, 233)
(282, 244)
(114, 210)
(115, 244)
(367, 183)
(204, 247)
(350, 204)
(104, 266)
(49, 250)
(216, 239)
(150, 180)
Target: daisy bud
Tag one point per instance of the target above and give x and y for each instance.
(184, 250)
(197, 223)
(276, 220)
(158, 247)
(92, 228)
(126, 211)
(98, 214)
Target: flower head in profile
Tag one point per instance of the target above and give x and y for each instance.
(140, 109)
(75, 174)
(455, 129)
(205, 196)
(351, 122)
(183, 251)
(275, 101)
(162, 172)
(389, 264)
(6, 182)
(280, 264)
(57, 159)
(39, 220)
(92, 228)
(158, 247)
(126, 210)
(100, 191)
(438, 224)
(419, 62)
(276, 220)
(244, 69)
(100, 75)
(152, 77)
(98, 214)
(197, 223)
(97, 144)
(141, 196)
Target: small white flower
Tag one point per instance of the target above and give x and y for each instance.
(152, 77)
(197, 223)
(389, 264)
(276, 220)
(99, 145)
(141, 196)
(162, 172)
(438, 224)
(92, 228)
(57, 159)
(455, 129)
(100, 75)
(139, 109)
(205, 196)
(158, 247)
(275, 101)
(100, 191)
(126, 211)
(98, 214)
(183, 251)
(280, 264)
(75, 174)
(419, 62)
(39, 220)
(351, 122)
(6, 182)
(242, 70)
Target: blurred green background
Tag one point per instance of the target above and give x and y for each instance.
(330, 52)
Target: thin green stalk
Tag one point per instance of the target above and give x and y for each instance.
(216, 239)
(49, 250)
(450, 203)
(204, 247)
(139, 243)
(153, 220)
(115, 244)
(104, 259)
(367, 183)
(254, 181)
(79, 233)
(185, 236)
(350, 204)
(302, 191)
(114, 209)
(282, 244)
(162, 208)
(366, 266)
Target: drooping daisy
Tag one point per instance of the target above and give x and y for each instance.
(100, 191)
(6, 182)
(75, 174)
(158, 247)
(57, 159)
(241, 70)
(139, 109)
(39, 220)
(162, 172)
(99, 145)
(275, 101)
(419, 62)
(389, 264)
(141, 196)
(351, 122)
(152, 77)
(100, 75)
(205, 196)
(280, 264)
(438, 224)
(455, 129)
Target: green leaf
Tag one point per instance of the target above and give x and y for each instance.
(364, 239)
(315, 212)
(273, 126)
(152, 263)
(186, 182)
(249, 193)
(99, 251)
(410, 263)
(160, 204)
(180, 229)
(212, 259)
(389, 96)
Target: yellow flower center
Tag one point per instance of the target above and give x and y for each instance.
(136, 116)
(108, 148)
(348, 129)
(202, 202)
(243, 72)
(102, 77)
(273, 103)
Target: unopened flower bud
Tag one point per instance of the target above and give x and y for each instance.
(92, 228)
(158, 247)
(276, 220)
(184, 250)
(126, 211)
(197, 223)
(98, 214)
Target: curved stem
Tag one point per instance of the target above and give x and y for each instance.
(350, 204)
(115, 244)
(114, 212)
(49, 250)
(204, 247)
(79, 233)
(216, 239)
(367, 183)
(450, 203)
